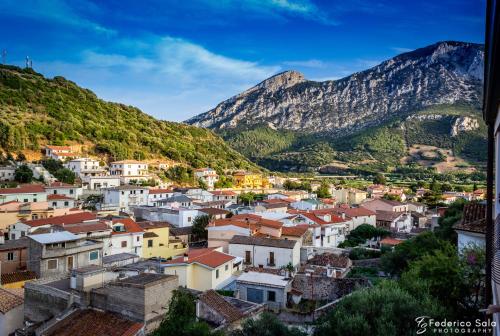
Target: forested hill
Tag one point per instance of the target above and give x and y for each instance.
(35, 110)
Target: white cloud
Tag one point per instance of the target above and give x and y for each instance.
(401, 49)
(312, 63)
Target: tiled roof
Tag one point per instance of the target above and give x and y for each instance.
(293, 231)
(214, 211)
(329, 259)
(86, 227)
(206, 256)
(130, 226)
(65, 219)
(9, 300)
(8, 278)
(160, 191)
(388, 216)
(223, 193)
(154, 225)
(473, 218)
(356, 212)
(214, 300)
(90, 322)
(246, 221)
(150, 235)
(53, 197)
(275, 205)
(313, 217)
(259, 241)
(60, 185)
(23, 189)
(176, 231)
(390, 241)
(20, 243)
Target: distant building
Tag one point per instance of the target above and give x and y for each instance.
(471, 229)
(348, 196)
(85, 167)
(7, 173)
(124, 196)
(207, 175)
(130, 170)
(248, 180)
(385, 205)
(69, 190)
(24, 193)
(60, 153)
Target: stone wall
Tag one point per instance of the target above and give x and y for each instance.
(325, 288)
(43, 302)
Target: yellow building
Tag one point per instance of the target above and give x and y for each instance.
(247, 180)
(158, 243)
(202, 269)
(17, 279)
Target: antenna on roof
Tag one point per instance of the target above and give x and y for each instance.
(4, 56)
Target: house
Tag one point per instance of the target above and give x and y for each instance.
(358, 216)
(60, 201)
(385, 205)
(13, 255)
(291, 195)
(471, 229)
(130, 170)
(265, 252)
(298, 233)
(207, 175)
(101, 182)
(69, 190)
(7, 173)
(83, 322)
(394, 221)
(419, 220)
(56, 253)
(377, 190)
(60, 153)
(24, 227)
(24, 193)
(85, 167)
(184, 234)
(16, 279)
(158, 242)
(390, 242)
(264, 286)
(348, 196)
(271, 208)
(417, 207)
(329, 264)
(220, 231)
(307, 204)
(333, 228)
(214, 213)
(224, 195)
(199, 194)
(181, 217)
(156, 194)
(11, 310)
(124, 196)
(176, 201)
(202, 269)
(126, 237)
(248, 180)
(225, 312)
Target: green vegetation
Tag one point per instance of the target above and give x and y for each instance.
(35, 110)
(23, 174)
(363, 232)
(200, 224)
(65, 175)
(266, 325)
(324, 190)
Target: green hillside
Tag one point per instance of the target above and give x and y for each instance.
(372, 149)
(35, 110)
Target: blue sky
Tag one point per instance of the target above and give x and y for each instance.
(175, 59)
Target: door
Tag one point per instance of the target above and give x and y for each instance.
(69, 263)
(255, 295)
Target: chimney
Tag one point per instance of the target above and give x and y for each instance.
(185, 257)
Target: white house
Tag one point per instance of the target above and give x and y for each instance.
(394, 221)
(59, 201)
(85, 167)
(207, 175)
(471, 229)
(101, 182)
(357, 216)
(199, 194)
(265, 252)
(59, 188)
(156, 194)
(224, 195)
(24, 194)
(180, 217)
(176, 201)
(333, 228)
(130, 170)
(127, 237)
(7, 173)
(60, 153)
(122, 197)
(385, 205)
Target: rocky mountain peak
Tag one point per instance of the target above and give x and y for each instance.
(282, 80)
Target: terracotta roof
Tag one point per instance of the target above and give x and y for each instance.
(216, 301)
(293, 231)
(9, 300)
(53, 197)
(214, 211)
(23, 189)
(130, 226)
(128, 161)
(65, 219)
(150, 235)
(246, 220)
(277, 200)
(15, 244)
(8, 278)
(58, 147)
(260, 241)
(206, 256)
(90, 322)
(275, 205)
(160, 191)
(356, 212)
(223, 193)
(154, 225)
(388, 216)
(60, 185)
(473, 218)
(183, 231)
(330, 259)
(333, 219)
(85, 227)
(390, 241)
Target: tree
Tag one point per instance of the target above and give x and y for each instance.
(324, 190)
(52, 165)
(392, 197)
(202, 184)
(383, 310)
(246, 198)
(200, 227)
(65, 175)
(266, 325)
(21, 157)
(451, 216)
(181, 317)
(23, 174)
(379, 179)
(363, 232)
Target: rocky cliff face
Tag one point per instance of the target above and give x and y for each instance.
(443, 73)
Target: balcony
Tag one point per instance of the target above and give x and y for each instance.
(86, 246)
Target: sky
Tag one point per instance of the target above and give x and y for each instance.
(177, 58)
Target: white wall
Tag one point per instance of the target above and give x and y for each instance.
(260, 254)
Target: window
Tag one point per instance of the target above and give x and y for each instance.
(54, 204)
(227, 267)
(34, 200)
(138, 238)
(25, 200)
(10, 256)
(189, 219)
(66, 203)
(52, 264)
(271, 258)
(247, 257)
(124, 243)
(150, 242)
(217, 274)
(71, 191)
(55, 192)
(271, 296)
(94, 255)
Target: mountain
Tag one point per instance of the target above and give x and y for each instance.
(443, 73)
(35, 110)
(376, 116)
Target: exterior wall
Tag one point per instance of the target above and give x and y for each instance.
(7, 173)
(260, 255)
(43, 302)
(11, 320)
(75, 192)
(360, 220)
(62, 204)
(162, 247)
(134, 243)
(197, 277)
(281, 294)
(24, 198)
(101, 182)
(123, 198)
(333, 235)
(18, 262)
(381, 205)
(221, 235)
(466, 238)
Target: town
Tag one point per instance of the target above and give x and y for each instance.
(98, 246)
